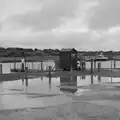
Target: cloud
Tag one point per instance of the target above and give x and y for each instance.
(106, 15)
(59, 23)
(48, 17)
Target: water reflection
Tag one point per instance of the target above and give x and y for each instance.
(49, 83)
(41, 77)
(83, 77)
(26, 81)
(92, 79)
(99, 78)
(23, 80)
(68, 84)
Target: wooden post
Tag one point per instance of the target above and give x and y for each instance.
(91, 66)
(114, 63)
(41, 66)
(22, 70)
(99, 67)
(49, 71)
(1, 69)
(26, 77)
(26, 72)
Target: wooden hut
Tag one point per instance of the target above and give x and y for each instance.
(68, 59)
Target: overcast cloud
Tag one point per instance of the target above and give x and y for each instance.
(82, 24)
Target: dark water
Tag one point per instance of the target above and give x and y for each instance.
(41, 92)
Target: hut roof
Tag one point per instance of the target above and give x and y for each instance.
(67, 49)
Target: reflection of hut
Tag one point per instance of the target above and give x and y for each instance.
(68, 58)
(68, 84)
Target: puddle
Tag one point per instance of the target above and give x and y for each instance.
(42, 92)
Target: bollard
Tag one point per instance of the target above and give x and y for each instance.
(26, 77)
(26, 71)
(41, 66)
(91, 66)
(22, 69)
(49, 71)
(99, 67)
(1, 69)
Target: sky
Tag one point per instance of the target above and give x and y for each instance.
(80, 24)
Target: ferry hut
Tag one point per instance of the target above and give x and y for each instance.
(68, 59)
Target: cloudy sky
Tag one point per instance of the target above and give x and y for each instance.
(82, 24)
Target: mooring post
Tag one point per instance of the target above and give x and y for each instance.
(99, 67)
(91, 66)
(1, 69)
(49, 71)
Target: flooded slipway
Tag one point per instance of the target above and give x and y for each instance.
(43, 92)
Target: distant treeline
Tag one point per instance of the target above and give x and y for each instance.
(19, 52)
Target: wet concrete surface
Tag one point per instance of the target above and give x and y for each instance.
(43, 92)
